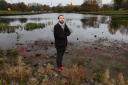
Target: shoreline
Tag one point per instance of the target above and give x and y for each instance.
(106, 13)
(111, 13)
(20, 13)
(94, 58)
(96, 55)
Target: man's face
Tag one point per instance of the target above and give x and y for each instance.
(61, 19)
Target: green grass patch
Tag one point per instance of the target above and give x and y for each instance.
(32, 26)
(8, 13)
(6, 28)
(111, 12)
(0, 82)
(28, 26)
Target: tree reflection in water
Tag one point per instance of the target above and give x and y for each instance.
(115, 23)
(119, 24)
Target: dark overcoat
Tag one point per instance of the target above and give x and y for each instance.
(60, 35)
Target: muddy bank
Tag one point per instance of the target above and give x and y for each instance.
(98, 55)
(85, 63)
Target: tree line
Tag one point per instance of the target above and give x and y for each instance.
(86, 6)
(120, 4)
(4, 6)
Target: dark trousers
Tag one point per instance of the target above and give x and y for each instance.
(60, 53)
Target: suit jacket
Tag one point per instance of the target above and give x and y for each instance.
(60, 35)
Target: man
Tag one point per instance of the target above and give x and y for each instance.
(61, 31)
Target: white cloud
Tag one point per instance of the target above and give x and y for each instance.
(106, 1)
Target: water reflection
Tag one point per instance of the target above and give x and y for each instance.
(8, 28)
(115, 23)
(23, 20)
(84, 27)
(7, 21)
(90, 22)
(119, 24)
(94, 22)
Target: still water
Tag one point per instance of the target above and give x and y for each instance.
(84, 28)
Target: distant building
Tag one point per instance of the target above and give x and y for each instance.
(71, 3)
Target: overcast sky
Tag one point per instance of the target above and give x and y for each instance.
(53, 2)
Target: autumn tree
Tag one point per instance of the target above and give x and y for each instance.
(117, 4)
(124, 4)
(3, 5)
(71, 8)
(90, 5)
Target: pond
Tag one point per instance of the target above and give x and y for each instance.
(84, 28)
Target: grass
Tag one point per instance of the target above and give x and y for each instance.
(8, 13)
(111, 12)
(114, 12)
(28, 26)
(7, 28)
(20, 73)
(31, 26)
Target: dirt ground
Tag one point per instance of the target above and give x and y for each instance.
(100, 54)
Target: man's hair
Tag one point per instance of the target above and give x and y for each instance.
(59, 16)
